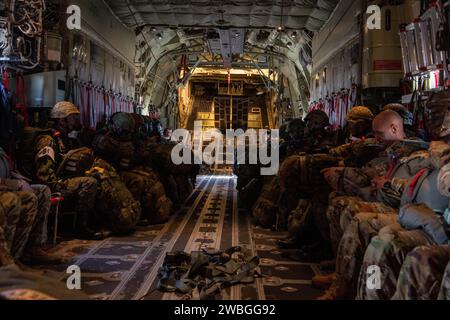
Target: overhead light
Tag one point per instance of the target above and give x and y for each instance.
(294, 34)
(280, 29)
(154, 29)
(159, 35)
(237, 35)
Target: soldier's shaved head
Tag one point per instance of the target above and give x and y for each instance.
(388, 127)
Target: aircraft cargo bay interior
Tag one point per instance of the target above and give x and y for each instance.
(225, 150)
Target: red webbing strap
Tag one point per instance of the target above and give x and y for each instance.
(391, 169)
(414, 181)
(85, 99)
(6, 79)
(20, 98)
(113, 97)
(89, 106)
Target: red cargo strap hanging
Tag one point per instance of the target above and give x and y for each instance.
(84, 105)
(20, 98)
(113, 103)
(92, 106)
(105, 104)
(6, 79)
(353, 94)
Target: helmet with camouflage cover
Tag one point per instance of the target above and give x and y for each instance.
(438, 115)
(360, 114)
(359, 120)
(122, 125)
(140, 129)
(316, 120)
(296, 129)
(63, 109)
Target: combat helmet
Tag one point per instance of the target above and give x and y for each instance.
(316, 121)
(122, 125)
(296, 129)
(63, 109)
(359, 114)
(140, 127)
(359, 120)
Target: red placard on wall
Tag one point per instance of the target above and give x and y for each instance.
(387, 65)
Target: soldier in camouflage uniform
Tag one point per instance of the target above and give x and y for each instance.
(357, 227)
(359, 122)
(118, 145)
(161, 205)
(296, 139)
(317, 138)
(423, 273)
(389, 249)
(26, 228)
(10, 211)
(48, 153)
(265, 208)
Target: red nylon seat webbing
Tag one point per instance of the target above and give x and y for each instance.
(414, 181)
(6, 79)
(20, 96)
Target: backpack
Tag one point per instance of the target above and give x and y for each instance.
(116, 205)
(423, 188)
(75, 163)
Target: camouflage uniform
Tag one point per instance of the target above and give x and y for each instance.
(423, 266)
(34, 210)
(161, 205)
(24, 223)
(360, 119)
(389, 249)
(10, 209)
(317, 138)
(178, 180)
(342, 211)
(266, 205)
(116, 206)
(359, 230)
(117, 147)
(300, 177)
(422, 273)
(79, 190)
(49, 165)
(444, 294)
